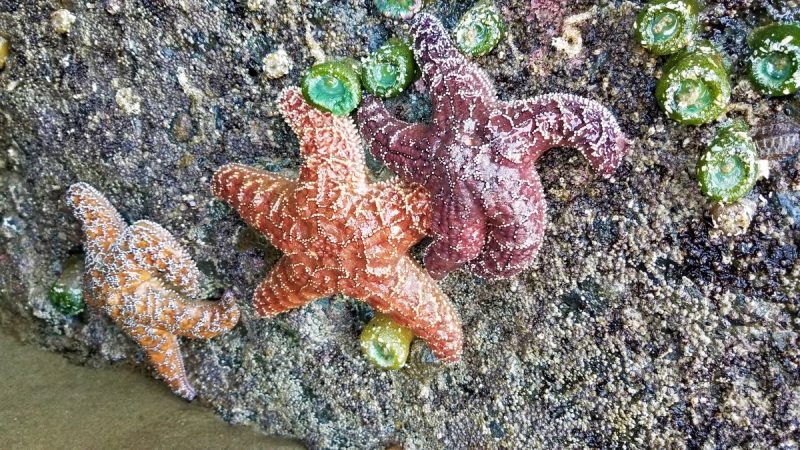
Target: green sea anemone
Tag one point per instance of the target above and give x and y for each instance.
(333, 87)
(66, 293)
(775, 64)
(694, 88)
(385, 343)
(727, 171)
(399, 9)
(389, 70)
(666, 26)
(480, 29)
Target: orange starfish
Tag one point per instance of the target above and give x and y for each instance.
(339, 232)
(140, 276)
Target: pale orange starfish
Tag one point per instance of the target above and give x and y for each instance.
(339, 232)
(141, 277)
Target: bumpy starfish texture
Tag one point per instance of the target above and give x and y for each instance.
(340, 233)
(476, 157)
(141, 277)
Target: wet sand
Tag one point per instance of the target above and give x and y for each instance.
(47, 402)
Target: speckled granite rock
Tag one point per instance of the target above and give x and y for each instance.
(634, 328)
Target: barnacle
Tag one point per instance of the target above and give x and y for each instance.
(276, 64)
(777, 139)
(694, 88)
(62, 20)
(3, 51)
(183, 127)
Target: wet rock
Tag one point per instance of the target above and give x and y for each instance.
(635, 327)
(182, 127)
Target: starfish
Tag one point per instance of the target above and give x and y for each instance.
(339, 232)
(476, 157)
(141, 277)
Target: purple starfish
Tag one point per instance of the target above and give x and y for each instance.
(476, 157)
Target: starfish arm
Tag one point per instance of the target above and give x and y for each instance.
(205, 319)
(515, 230)
(433, 47)
(286, 287)
(164, 355)
(402, 146)
(413, 300)
(258, 196)
(153, 247)
(159, 307)
(330, 146)
(459, 228)
(101, 222)
(460, 90)
(555, 120)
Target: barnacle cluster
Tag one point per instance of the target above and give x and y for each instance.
(783, 10)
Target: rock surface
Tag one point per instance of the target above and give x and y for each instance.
(635, 327)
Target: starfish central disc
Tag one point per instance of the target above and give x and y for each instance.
(476, 157)
(339, 232)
